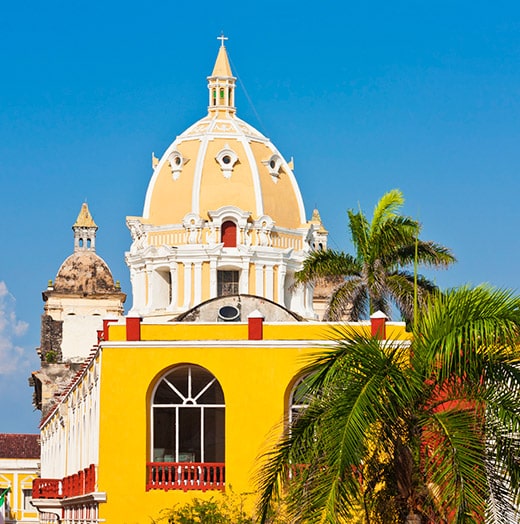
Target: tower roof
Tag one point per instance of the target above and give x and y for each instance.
(84, 218)
(84, 273)
(222, 67)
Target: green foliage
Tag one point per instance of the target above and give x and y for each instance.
(228, 509)
(51, 357)
(379, 273)
(392, 431)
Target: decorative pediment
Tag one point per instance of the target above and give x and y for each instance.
(227, 159)
(176, 162)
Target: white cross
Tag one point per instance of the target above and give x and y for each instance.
(222, 38)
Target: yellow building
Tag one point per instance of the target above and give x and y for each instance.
(19, 466)
(181, 397)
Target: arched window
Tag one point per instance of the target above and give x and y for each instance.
(162, 295)
(228, 234)
(188, 415)
(299, 398)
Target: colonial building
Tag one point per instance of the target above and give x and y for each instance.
(82, 294)
(182, 396)
(19, 466)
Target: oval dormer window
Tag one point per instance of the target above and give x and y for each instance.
(229, 314)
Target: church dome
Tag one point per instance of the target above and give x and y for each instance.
(222, 159)
(223, 215)
(84, 273)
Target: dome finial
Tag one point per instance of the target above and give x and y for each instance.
(222, 38)
(84, 231)
(221, 83)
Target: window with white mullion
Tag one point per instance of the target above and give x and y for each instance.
(189, 384)
(188, 417)
(202, 434)
(174, 389)
(176, 434)
(204, 390)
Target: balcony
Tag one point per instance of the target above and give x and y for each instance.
(80, 483)
(185, 476)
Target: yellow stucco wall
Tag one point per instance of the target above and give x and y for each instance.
(18, 477)
(256, 378)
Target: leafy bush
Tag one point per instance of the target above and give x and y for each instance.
(226, 510)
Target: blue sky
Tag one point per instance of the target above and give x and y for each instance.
(366, 96)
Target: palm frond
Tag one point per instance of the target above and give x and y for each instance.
(457, 327)
(386, 208)
(356, 386)
(429, 254)
(452, 461)
(327, 263)
(400, 286)
(348, 301)
(359, 233)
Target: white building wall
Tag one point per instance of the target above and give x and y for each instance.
(70, 436)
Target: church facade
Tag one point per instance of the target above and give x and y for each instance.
(182, 396)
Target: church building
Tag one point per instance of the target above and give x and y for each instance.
(180, 397)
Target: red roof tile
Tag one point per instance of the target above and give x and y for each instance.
(19, 446)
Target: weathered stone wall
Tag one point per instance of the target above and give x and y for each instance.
(51, 337)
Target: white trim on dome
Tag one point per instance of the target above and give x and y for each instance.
(254, 174)
(197, 175)
(239, 130)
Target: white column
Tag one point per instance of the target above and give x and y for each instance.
(309, 292)
(174, 285)
(212, 278)
(298, 300)
(243, 285)
(149, 302)
(137, 277)
(187, 285)
(197, 283)
(269, 291)
(259, 274)
(282, 269)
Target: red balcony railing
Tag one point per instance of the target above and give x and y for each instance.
(201, 476)
(47, 489)
(80, 483)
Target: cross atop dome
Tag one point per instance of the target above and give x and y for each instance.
(222, 38)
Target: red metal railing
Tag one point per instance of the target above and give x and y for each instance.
(201, 476)
(80, 483)
(47, 489)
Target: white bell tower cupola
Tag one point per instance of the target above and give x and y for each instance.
(221, 83)
(84, 231)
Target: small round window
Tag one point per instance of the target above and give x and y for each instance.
(272, 164)
(226, 159)
(178, 160)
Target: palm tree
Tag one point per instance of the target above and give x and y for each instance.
(378, 275)
(428, 433)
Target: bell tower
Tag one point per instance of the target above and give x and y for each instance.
(84, 231)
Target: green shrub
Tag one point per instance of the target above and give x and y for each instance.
(226, 510)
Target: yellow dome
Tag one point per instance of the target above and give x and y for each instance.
(220, 161)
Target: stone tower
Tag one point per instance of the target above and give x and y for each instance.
(82, 294)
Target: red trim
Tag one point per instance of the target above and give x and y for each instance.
(185, 476)
(80, 483)
(255, 328)
(378, 328)
(133, 328)
(229, 234)
(106, 322)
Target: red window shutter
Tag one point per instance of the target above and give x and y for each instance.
(229, 234)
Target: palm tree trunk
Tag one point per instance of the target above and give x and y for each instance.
(413, 518)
